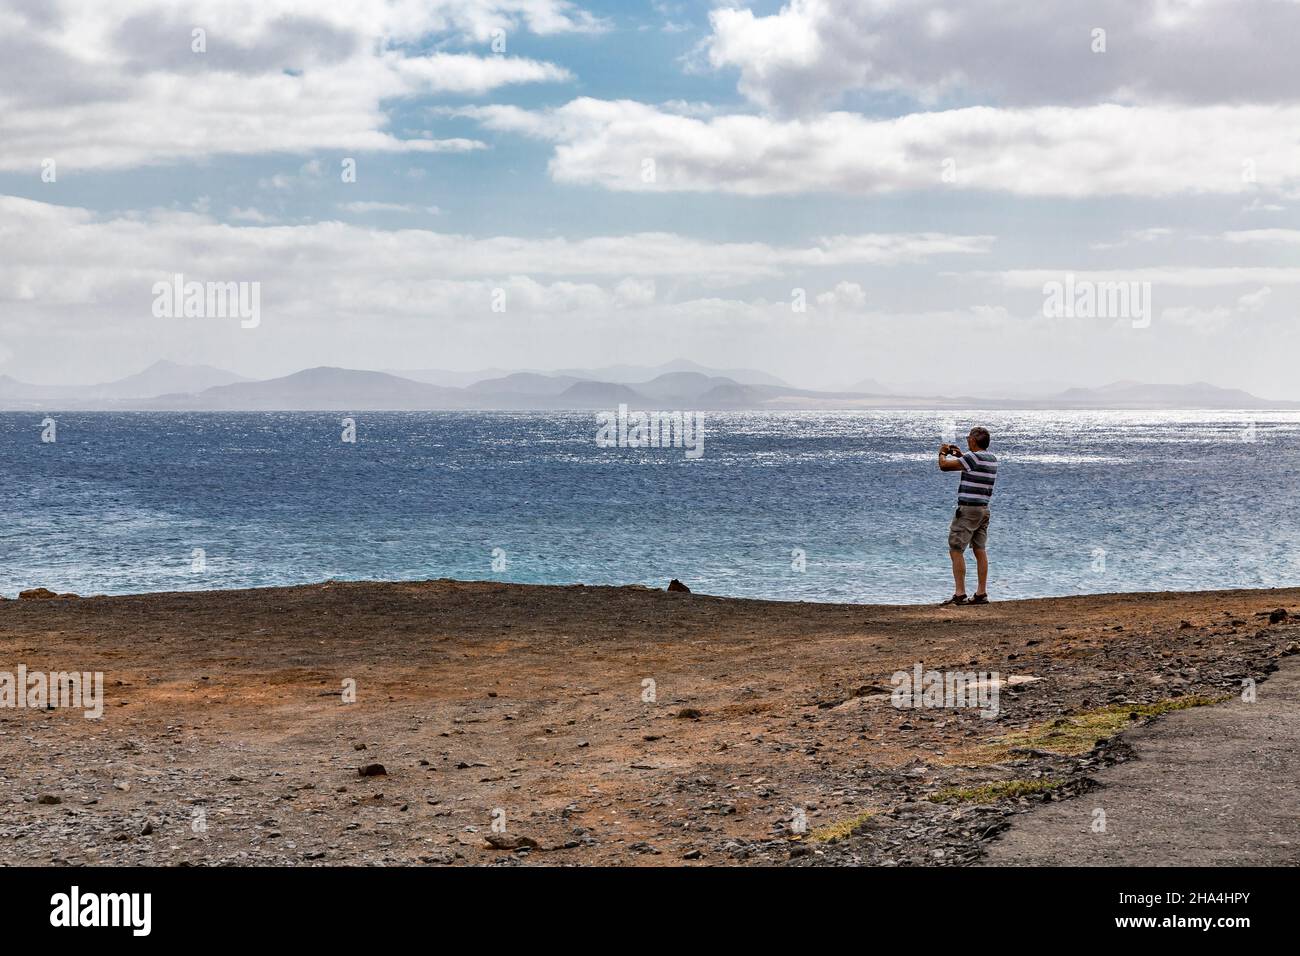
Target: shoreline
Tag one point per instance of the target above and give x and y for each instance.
(380, 582)
(923, 405)
(761, 738)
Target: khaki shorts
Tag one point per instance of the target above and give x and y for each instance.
(970, 526)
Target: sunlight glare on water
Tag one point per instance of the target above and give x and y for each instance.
(1086, 502)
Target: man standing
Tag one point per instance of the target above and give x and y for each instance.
(970, 525)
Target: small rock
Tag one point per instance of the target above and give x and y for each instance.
(502, 841)
(373, 770)
(49, 798)
(673, 585)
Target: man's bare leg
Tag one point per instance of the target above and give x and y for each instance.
(982, 567)
(958, 571)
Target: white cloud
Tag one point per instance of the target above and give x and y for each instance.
(466, 73)
(1258, 205)
(311, 171)
(1190, 277)
(248, 214)
(76, 291)
(1150, 234)
(1254, 301)
(811, 52)
(275, 75)
(1199, 319)
(1290, 236)
(1220, 317)
(634, 293)
(101, 259)
(363, 207)
(1045, 151)
(845, 295)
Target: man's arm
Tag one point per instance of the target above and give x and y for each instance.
(949, 464)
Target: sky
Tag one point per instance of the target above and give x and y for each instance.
(829, 190)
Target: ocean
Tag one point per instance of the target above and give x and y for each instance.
(808, 506)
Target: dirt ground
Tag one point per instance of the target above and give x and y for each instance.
(572, 725)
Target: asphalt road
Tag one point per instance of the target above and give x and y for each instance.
(1213, 786)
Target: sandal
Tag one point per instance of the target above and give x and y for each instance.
(956, 599)
(980, 599)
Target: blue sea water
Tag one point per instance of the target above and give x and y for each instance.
(1086, 502)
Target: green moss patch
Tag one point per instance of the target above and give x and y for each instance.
(840, 829)
(993, 792)
(1078, 733)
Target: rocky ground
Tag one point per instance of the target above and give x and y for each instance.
(519, 725)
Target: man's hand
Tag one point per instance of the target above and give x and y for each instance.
(953, 464)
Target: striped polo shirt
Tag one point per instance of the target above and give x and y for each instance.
(979, 472)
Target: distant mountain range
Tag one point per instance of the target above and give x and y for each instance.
(167, 386)
(619, 374)
(1142, 395)
(159, 378)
